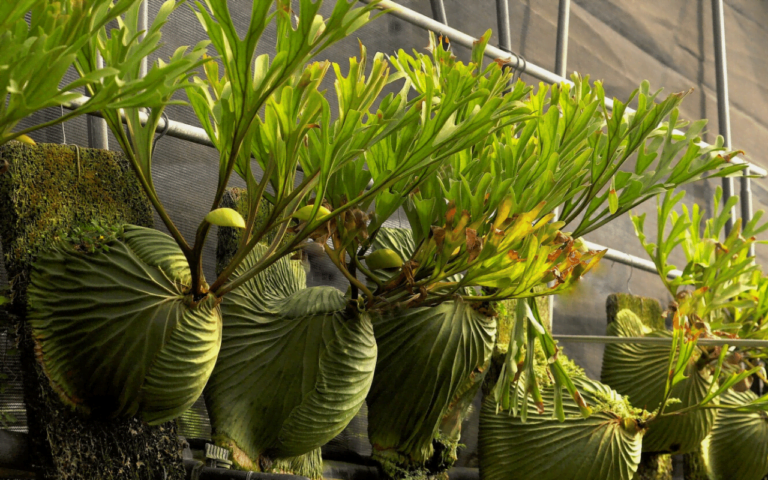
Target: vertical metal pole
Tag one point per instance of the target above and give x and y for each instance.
(746, 204)
(724, 119)
(561, 68)
(502, 18)
(746, 215)
(563, 22)
(723, 114)
(438, 11)
(143, 26)
(97, 127)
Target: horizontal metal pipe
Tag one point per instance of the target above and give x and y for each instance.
(605, 339)
(178, 130)
(630, 260)
(457, 36)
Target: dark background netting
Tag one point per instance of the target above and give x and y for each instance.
(668, 42)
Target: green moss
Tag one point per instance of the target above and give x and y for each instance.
(49, 190)
(647, 309)
(695, 465)
(620, 407)
(51, 193)
(654, 467)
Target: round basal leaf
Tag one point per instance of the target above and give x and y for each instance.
(399, 240)
(431, 363)
(304, 213)
(738, 445)
(115, 331)
(605, 446)
(383, 258)
(640, 371)
(294, 367)
(225, 217)
(27, 140)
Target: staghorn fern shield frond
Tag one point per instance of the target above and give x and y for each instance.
(439, 356)
(116, 332)
(640, 372)
(436, 358)
(294, 369)
(607, 445)
(737, 448)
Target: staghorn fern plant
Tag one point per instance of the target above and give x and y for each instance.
(159, 277)
(479, 218)
(464, 219)
(694, 389)
(479, 167)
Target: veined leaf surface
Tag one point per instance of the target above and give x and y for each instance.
(115, 331)
(605, 446)
(738, 444)
(435, 358)
(640, 372)
(294, 369)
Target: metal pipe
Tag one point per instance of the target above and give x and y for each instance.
(561, 61)
(502, 18)
(438, 11)
(178, 130)
(605, 339)
(98, 133)
(630, 260)
(746, 204)
(461, 38)
(561, 51)
(723, 106)
(143, 27)
(415, 18)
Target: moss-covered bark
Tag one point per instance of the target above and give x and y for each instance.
(45, 192)
(654, 467)
(648, 309)
(695, 466)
